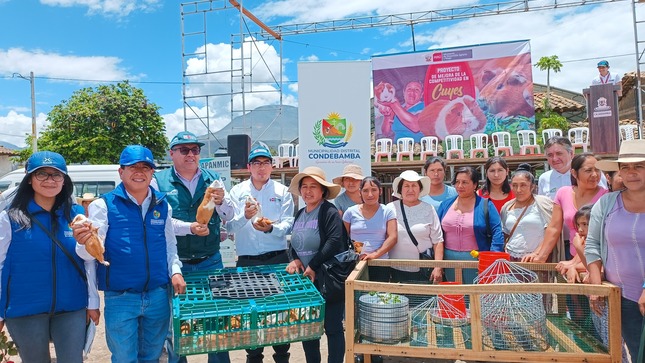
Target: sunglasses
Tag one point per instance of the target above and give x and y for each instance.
(41, 175)
(185, 150)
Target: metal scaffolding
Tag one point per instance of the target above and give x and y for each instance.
(242, 62)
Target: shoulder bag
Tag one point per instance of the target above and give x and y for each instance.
(60, 246)
(425, 255)
(515, 226)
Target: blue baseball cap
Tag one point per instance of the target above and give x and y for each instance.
(603, 63)
(185, 137)
(258, 151)
(46, 159)
(133, 154)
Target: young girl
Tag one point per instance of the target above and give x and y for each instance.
(572, 272)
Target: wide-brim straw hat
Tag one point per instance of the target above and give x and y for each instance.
(87, 197)
(350, 171)
(631, 151)
(318, 175)
(411, 176)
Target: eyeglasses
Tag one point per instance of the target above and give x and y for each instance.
(43, 175)
(260, 163)
(184, 150)
(143, 168)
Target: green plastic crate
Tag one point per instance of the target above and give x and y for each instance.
(203, 322)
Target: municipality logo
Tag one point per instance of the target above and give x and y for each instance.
(333, 131)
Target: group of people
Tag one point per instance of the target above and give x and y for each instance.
(49, 282)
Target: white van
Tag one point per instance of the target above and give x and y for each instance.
(97, 179)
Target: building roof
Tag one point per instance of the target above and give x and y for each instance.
(559, 103)
(6, 151)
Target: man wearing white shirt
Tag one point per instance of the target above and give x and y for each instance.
(255, 243)
(140, 245)
(605, 77)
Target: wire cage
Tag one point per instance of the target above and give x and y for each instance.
(442, 322)
(512, 321)
(384, 317)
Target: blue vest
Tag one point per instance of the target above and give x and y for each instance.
(184, 207)
(37, 277)
(135, 246)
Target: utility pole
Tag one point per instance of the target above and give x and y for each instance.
(34, 135)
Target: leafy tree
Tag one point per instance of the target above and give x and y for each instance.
(94, 125)
(548, 64)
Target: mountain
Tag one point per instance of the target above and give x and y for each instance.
(271, 124)
(10, 146)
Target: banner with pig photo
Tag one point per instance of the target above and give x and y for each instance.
(454, 91)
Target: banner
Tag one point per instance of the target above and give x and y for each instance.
(334, 115)
(221, 165)
(454, 91)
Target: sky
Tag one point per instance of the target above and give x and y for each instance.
(75, 44)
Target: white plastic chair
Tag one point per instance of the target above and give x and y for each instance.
(293, 161)
(285, 153)
(528, 142)
(429, 146)
(383, 147)
(502, 143)
(627, 132)
(478, 144)
(404, 147)
(549, 133)
(454, 145)
(579, 137)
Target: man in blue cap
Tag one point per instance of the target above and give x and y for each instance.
(136, 224)
(605, 77)
(259, 243)
(185, 185)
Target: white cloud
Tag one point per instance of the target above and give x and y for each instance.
(16, 126)
(108, 7)
(69, 67)
(310, 58)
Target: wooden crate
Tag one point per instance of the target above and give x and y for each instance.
(471, 342)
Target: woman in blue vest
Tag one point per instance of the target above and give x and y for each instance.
(44, 291)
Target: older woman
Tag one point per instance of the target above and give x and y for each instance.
(497, 188)
(616, 241)
(374, 225)
(317, 236)
(435, 169)
(464, 223)
(36, 241)
(524, 218)
(350, 181)
(418, 227)
(584, 189)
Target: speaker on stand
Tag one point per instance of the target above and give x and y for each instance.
(239, 147)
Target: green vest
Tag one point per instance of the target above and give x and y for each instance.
(184, 207)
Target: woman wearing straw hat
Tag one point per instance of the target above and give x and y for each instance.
(418, 220)
(350, 181)
(615, 242)
(317, 236)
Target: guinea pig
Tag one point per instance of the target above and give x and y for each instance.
(510, 93)
(461, 116)
(384, 92)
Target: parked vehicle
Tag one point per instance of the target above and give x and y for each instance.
(96, 179)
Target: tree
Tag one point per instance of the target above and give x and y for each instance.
(94, 125)
(548, 64)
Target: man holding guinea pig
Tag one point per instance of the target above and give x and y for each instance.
(257, 241)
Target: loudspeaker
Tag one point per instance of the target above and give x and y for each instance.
(239, 147)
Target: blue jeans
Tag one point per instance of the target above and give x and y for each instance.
(212, 263)
(31, 334)
(136, 324)
(335, 337)
(632, 326)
